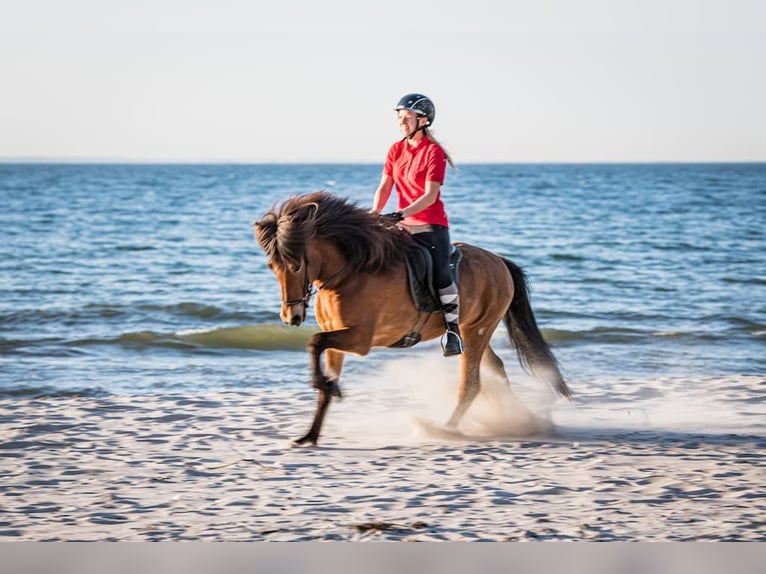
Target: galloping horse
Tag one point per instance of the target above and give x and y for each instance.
(355, 263)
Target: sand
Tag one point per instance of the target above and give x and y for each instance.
(220, 466)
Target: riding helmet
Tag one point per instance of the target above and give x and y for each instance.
(418, 103)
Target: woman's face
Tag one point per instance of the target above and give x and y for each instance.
(408, 121)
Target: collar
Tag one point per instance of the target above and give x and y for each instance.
(424, 141)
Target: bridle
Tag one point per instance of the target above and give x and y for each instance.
(308, 289)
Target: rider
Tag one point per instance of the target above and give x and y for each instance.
(416, 165)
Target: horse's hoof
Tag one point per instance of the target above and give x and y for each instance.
(334, 389)
(328, 386)
(321, 383)
(309, 437)
(435, 430)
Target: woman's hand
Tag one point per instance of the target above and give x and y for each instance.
(394, 216)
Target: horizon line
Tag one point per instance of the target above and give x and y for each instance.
(147, 161)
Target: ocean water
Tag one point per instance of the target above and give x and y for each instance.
(131, 279)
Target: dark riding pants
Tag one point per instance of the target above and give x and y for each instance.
(438, 243)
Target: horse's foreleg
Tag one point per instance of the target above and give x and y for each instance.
(318, 344)
(333, 365)
(326, 386)
(323, 401)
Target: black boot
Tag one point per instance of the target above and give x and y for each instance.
(454, 343)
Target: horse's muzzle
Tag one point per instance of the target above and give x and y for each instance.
(294, 315)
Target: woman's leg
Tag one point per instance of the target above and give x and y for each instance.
(439, 244)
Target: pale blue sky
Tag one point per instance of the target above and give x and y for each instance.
(311, 80)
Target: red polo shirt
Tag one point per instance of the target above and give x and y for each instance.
(410, 167)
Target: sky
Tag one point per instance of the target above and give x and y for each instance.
(316, 80)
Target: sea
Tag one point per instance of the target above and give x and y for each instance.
(131, 279)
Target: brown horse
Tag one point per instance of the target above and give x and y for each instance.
(355, 263)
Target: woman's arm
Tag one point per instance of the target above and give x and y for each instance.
(382, 193)
(430, 195)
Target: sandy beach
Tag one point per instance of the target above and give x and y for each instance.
(220, 466)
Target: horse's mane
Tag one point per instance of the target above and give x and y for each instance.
(368, 243)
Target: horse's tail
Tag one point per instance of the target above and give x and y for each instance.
(534, 353)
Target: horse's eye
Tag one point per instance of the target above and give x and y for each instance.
(296, 268)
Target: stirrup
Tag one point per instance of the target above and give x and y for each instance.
(454, 344)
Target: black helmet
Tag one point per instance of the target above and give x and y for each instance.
(418, 103)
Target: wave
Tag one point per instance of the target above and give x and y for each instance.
(600, 334)
(202, 311)
(25, 390)
(277, 337)
(567, 257)
(621, 335)
(267, 337)
(95, 311)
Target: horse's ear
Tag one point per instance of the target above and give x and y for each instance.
(315, 209)
(303, 213)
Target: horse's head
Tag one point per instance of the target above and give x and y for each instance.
(295, 284)
(284, 237)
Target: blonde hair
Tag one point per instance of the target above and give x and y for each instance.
(429, 135)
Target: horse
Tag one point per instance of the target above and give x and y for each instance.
(354, 262)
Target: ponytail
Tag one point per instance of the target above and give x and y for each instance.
(430, 136)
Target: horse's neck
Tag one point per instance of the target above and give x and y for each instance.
(330, 262)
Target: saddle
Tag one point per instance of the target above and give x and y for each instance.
(420, 279)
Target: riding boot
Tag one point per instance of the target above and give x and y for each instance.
(450, 303)
(454, 343)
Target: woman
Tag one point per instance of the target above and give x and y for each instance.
(416, 166)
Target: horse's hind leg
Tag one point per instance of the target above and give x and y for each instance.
(494, 364)
(470, 384)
